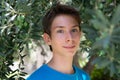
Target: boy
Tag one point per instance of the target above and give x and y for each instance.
(62, 33)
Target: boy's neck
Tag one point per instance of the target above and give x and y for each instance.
(62, 64)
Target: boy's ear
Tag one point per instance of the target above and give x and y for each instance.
(47, 38)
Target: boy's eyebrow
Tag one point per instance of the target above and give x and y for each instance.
(59, 26)
(64, 26)
(76, 25)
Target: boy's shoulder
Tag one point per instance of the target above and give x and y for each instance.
(85, 75)
(40, 72)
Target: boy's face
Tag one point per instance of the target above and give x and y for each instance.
(65, 35)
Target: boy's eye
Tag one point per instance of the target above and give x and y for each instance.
(60, 31)
(74, 30)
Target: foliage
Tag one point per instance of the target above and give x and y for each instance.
(20, 24)
(107, 44)
(99, 73)
(101, 25)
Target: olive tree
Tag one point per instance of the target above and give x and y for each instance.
(20, 24)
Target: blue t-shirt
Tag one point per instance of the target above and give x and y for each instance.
(47, 73)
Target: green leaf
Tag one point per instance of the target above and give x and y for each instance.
(116, 17)
(101, 62)
(98, 25)
(112, 69)
(116, 31)
(116, 41)
(25, 24)
(102, 43)
(1, 10)
(99, 21)
(118, 68)
(101, 17)
(1, 54)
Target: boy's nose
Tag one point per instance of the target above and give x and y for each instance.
(69, 37)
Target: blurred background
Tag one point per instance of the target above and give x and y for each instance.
(22, 49)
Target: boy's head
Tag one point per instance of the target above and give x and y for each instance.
(55, 11)
(58, 10)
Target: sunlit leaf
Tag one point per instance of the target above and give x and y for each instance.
(7, 14)
(12, 18)
(8, 6)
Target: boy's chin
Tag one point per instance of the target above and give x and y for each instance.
(71, 53)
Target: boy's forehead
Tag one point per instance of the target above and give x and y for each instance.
(62, 20)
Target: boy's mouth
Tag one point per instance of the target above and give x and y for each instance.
(69, 47)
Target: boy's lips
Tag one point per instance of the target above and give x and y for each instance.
(68, 47)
